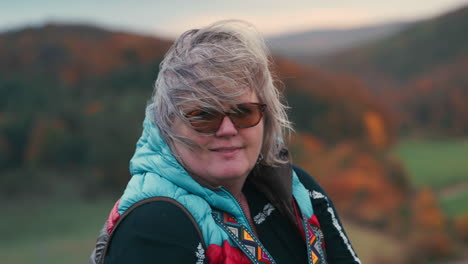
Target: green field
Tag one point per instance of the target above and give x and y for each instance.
(436, 163)
(51, 232)
(439, 164)
(456, 204)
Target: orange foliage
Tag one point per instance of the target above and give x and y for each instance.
(306, 151)
(71, 75)
(308, 142)
(423, 85)
(36, 139)
(461, 227)
(93, 108)
(363, 190)
(435, 102)
(89, 51)
(428, 236)
(321, 83)
(288, 68)
(375, 129)
(427, 212)
(360, 185)
(347, 101)
(58, 125)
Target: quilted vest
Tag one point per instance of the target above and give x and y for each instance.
(220, 220)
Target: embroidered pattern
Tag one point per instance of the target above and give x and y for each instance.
(315, 238)
(244, 239)
(317, 195)
(200, 253)
(261, 217)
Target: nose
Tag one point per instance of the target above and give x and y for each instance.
(226, 128)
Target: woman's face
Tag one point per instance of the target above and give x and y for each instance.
(226, 156)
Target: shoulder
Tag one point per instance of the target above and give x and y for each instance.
(318, 196)
(307, 180)
(159, 215)
(338, 246)
(160, 228)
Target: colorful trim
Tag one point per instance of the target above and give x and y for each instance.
(316, 195)
(224, 254)
(244, 238)
(314, 241)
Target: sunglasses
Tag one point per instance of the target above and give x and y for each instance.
(242, 116)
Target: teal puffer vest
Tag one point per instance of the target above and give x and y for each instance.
(157, 173)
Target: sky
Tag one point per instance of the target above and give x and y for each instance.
(169, 18)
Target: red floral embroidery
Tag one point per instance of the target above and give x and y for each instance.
(226, 254)
(113, 217)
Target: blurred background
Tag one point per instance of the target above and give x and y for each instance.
(378, 95)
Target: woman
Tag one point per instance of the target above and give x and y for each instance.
(211, 178)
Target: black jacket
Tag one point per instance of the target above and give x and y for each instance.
(162, 232)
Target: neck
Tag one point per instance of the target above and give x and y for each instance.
(240, 197)
(235, 188)
(245, 207)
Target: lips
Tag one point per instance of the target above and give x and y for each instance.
(225, 149)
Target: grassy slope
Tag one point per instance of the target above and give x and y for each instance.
(456, 205)
(51, 232)
(438, 164)
(435, 163)
(373, 247)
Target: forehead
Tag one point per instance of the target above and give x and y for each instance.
(248, 97)
(221, 105)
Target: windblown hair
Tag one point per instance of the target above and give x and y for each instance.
(211, 67)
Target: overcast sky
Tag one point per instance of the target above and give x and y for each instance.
(170, 18)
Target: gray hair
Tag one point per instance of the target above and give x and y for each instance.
(212, 67)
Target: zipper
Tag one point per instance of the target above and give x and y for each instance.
(239, 207)
(264, 256)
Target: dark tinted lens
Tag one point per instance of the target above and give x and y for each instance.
(209, 121)
(205, 121)
(247, 115)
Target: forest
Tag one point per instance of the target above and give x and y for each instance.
(73, 97)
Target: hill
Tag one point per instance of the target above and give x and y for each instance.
(333, 107)
(421, 73)
(74, 51)
(72, 100)
(310, 45)
(70, 92)
(416, 50)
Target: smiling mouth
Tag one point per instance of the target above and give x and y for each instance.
(229, 149)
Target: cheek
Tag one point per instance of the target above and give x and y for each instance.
(185, 156)
(256, 139)
(261, 133)
(191, 159)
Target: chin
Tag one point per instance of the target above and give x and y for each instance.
(231, 173)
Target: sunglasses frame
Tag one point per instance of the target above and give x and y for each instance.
(261, 107)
